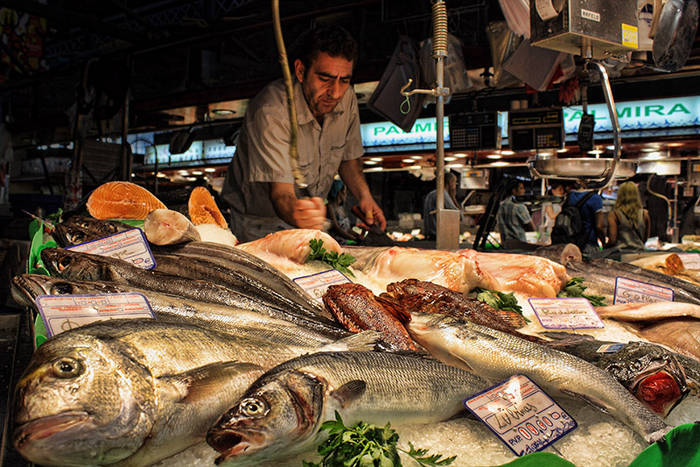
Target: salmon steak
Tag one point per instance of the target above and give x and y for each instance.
(122, 200)
(202, 208)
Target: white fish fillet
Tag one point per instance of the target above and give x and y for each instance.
(215, 234)
(649, 311)
(290, 245)
(168, 227)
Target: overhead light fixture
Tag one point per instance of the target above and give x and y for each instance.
(653, 156)
(562, 150)
(210, 170)
(374, 169)
(494, 156)
(191, 179)
(610, 147)
(450, 158)
(161, 175)
(459, 154)
(183, 172)
(417, 158)
(455, 166)
(674, 145)
(650, 149)
(595, 152)
(545, 154)
(197, 172)
(499, 164)
(407, 160)
(376, 159)
(507, 152)
(371, 162)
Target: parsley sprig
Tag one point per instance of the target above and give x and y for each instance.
(366, 445)
(500, 301)
(575, 288)
(339, 262)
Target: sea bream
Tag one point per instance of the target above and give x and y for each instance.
(83, 266)
(132, 392)
(497, 356)
(281, 413)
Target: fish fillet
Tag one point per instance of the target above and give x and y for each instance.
(649, 311)
(168, 227)
(122, 200)
(289, 245)
(202, 208)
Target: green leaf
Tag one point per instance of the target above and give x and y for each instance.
(339, 262)
(420, 456)
(575, 288)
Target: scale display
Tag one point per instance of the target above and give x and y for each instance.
(472, 131)
(535, 129)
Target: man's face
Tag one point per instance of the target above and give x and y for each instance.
(520, 190)
(325, 82)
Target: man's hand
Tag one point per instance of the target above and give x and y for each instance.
(372, 212)
(309, 213)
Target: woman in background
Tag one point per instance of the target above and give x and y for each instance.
(628, 221)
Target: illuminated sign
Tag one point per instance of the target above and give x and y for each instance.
(388, 134)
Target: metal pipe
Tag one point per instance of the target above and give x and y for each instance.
(607, 175)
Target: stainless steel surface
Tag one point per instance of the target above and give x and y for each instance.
(447, 235)
(581, 168)
(659, 167)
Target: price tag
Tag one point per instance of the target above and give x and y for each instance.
(317, 284)
(130, 245)
(525, 418)
(565, 313)
(64, 312)
(632, 291)
(610, 348)
(690, 260)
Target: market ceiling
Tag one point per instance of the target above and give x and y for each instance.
(178, 53)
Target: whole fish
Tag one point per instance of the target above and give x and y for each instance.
(497, 356)
(236, 279)
(281, 413)
(27, 287)
(81, 229)
(82, 266)
(135, 391)
(235, 258)
(656, 376)
(600, 277)
(356, 308)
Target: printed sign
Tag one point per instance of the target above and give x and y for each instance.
(525, 418)
(130, 245)
(317, 284)
(609, 348)
(632, 291)
(690, 260)
(64, 312)
(565, 313)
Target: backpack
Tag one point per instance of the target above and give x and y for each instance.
(568, 226)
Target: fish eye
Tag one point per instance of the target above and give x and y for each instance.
(252, 407)
(77, 237)
(62, 288)
(66, 367)
(64, 262)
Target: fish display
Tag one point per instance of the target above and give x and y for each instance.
(562, 253)
(202, 208)
(681, 335)
(215, 234)
(168, 227)
(280, 414)
(137, 391)
(82, 266)
(656, 376)
(649, 311)
(27, 287)
(357, 309)
(122, 200)
(256, 269)
(81, 229)
(670, 264)
(496, 356)
(287, 249)
(600, 275)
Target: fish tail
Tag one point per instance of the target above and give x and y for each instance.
(363, 341)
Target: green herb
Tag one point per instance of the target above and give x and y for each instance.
(339, 262)
(500, 301)
(366, 445)
(575, 288)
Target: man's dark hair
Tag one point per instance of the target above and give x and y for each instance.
(336, 41)
(513, 185)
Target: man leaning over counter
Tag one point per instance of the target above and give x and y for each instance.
(259, 184)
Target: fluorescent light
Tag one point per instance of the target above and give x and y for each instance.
(610, 147)
(460, 155)
(417, 158)
(414, 167)
(161, 175)
(374, 169)
(455, 166)
(544, 154)
(371, 162)
(210, 169)
(191, 179)
(376, 159)
(407, 160)
(650, 149)
(562, 150)
(450, 158)
(197, 172)
(183, 172)
(494, 156)
(595, 151)
(507, 152)
(499, 164)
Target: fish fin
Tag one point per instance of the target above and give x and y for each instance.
(204, 382)
(594, 402)
(363, 341)
(349, 391)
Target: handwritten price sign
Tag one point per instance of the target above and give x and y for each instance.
(525, 418)
(632, 291)
(317, 284)
(130, 245)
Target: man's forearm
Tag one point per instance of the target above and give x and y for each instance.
(351, 173)
(283, 201)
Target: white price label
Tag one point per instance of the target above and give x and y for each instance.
(64, 312)
(565, 313)
(317, 284)
(525, 418)
(632, 291)
(130, 245)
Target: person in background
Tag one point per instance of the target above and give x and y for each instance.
(259, 184)
(551, 209)
(628, 222)
(514, 218)
(592, 216)
(430, 205)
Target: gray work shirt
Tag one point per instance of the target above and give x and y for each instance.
(262, 155)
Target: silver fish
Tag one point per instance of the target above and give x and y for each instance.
(280, 414)
(82, 266)
(135, 391)
(496, 356)
(81, 229)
